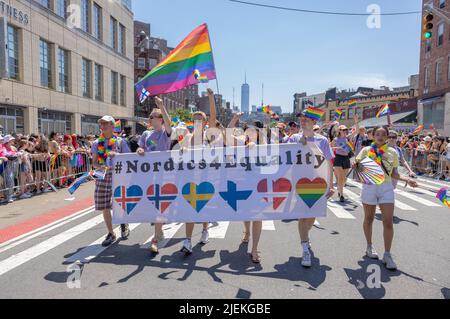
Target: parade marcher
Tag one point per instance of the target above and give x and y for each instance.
(382, 195)
(342, 161)
(156, 140)
(103, 149)
(304, 226)
(198, 138)
(392, 142)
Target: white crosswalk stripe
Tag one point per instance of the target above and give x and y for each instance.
(398, 203)
(94, 249)
(43, 247)
(417, 199)
(268, 225)
(169, 231)
(339, 211)
(218, 230)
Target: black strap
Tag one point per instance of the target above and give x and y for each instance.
(384, 168)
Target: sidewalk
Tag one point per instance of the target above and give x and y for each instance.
(28, 214)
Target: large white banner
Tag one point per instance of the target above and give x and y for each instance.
(272, 182)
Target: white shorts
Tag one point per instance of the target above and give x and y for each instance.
(378, 194)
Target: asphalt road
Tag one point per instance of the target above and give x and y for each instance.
(43, 264)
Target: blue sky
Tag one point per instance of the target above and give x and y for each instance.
(294, 52)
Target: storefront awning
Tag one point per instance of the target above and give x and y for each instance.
(431, 99)
(395, 118)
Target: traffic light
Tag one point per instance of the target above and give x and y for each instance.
(428, 26)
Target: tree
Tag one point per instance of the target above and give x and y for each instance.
(183, 114)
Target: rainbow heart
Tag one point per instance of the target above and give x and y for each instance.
(311, 191)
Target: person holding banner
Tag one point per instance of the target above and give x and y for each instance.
(307, 123)
(196, 139)
(382, 195)
(156, 140)
(103, 149)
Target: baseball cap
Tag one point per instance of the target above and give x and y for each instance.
(107, 118)
(7, 139)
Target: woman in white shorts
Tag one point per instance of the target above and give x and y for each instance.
(381, 195)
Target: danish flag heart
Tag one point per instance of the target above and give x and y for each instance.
(311, 191)
(281, 189)
(162, 196)
(128, 198)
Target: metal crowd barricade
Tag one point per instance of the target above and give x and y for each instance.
(426, 162)
(41, 171)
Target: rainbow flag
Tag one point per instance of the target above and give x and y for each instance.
(352, 103)
(443, 197)
(177, 70)
(314, 113)
(418, 129)
(351, 146)
(117, 127)
(384, 110)
(338, 113)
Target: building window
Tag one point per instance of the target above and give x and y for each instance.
(434, 113)
(86, 77)
(427, 77)
(440, 39)
(114, 85)
(13, 53)
(113, 33)
(98, 81)
(54, 122)
(85, 15)
(441, 4)
(121, 40)
(438, 73)
(45, 57)
(141, 63)
(152, 63)
(448, 71)
(428, 45)
(12, 120)
(123, 89)
(97, 22)
(351, 113)
(61, 8)
(63, 70)
(45, 3)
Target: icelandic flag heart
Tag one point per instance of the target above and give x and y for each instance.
(162, 196)
(128, 198)
(198, 195)
(281, 189)
(311, 191)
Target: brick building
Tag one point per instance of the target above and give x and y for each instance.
(434, 80)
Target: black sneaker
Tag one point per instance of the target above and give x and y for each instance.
(125, 231)
(110, 238)
(342, 199)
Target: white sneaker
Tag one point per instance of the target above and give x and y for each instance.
(10, 200)
(389, 262)
(371, 252)
(205, 237)
(306, 259)
(187, 246)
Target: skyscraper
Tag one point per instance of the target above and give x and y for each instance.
(245, 97)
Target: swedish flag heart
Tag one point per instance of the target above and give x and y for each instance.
(311, 191)
(198, 195)
(128, 198)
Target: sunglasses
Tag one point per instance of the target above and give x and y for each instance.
(155, 117)
(393, 137)
(346, 130)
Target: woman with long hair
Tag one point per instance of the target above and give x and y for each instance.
(381, 195)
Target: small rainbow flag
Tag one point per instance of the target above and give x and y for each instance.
(352, 103)
(313, 113)
(190, 125)
(175, 121)
(117, 127)
(266, 109)
(199, 77)
(443, 197)
(338, 113)
(176, 71)
(418, 129)
(351, 146)
(384, 110)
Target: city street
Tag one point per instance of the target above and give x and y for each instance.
(49, 242)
